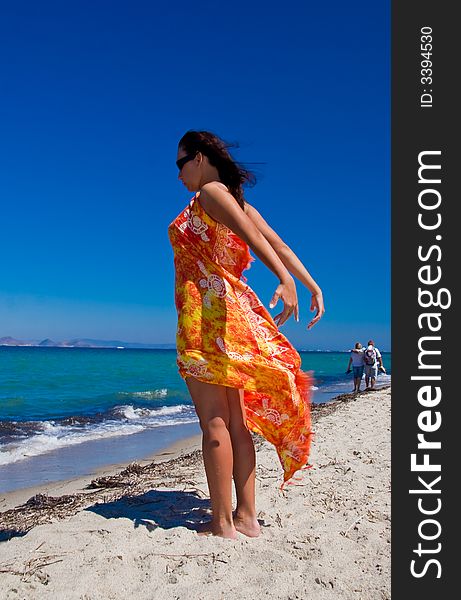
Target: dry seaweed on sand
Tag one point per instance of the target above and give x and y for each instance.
(131, 481)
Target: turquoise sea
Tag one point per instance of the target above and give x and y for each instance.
(66, 411)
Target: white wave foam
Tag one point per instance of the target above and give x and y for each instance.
(314, 387)
(148, 394)
(130, 412)
(55, 436)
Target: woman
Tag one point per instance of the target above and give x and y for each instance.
(241, 372)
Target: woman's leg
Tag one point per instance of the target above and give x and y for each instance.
(244, 471)
(212, 409)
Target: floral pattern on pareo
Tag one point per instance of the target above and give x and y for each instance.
(226, 336)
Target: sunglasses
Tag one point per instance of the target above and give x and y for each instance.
(182, 161)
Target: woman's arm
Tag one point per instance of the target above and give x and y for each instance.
(291, 262)
(223, 207)
(286, 255)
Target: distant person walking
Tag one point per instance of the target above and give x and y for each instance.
(373, 362)
(358, 364)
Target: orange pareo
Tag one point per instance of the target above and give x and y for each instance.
(225, 335)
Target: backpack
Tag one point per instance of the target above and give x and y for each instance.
(370, 357)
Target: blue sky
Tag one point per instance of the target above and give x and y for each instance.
(95, 96)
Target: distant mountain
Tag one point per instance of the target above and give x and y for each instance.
(9, 341)
(83, 343)
(48, 342)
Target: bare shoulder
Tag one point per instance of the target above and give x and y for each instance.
(216, 191)
(214, 185)
(217, 201)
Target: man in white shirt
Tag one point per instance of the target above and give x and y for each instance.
(373, 362)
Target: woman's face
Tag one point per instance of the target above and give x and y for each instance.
(190, 172)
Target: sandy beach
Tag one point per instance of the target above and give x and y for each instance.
(127, 530)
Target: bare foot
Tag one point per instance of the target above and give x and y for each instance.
(209, 528)
(248, 526)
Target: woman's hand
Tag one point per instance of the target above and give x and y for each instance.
(287, 292)
(316, 304)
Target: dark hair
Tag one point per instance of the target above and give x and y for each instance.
(231, 172)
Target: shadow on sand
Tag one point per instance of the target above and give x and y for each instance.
(153, 509)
